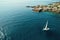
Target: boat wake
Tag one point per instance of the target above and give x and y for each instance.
(3, 34)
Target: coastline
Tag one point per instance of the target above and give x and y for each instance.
(53, 7)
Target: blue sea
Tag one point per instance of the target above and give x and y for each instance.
(17, 22)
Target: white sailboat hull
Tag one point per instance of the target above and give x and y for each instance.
(46, 29)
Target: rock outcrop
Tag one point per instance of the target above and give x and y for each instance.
(54, 7)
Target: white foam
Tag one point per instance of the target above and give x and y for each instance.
(1, 35)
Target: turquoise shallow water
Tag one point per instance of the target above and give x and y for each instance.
(21, 23)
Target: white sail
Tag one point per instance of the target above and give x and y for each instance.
(46, 26)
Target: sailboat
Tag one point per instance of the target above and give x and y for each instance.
(46, 27)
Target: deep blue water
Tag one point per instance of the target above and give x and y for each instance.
(21, 23)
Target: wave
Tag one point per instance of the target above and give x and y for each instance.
(3, 34)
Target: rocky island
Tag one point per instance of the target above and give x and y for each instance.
(53, 7)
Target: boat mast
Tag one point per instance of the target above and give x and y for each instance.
(46, 24)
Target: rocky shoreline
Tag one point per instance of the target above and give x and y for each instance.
(53, 7)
